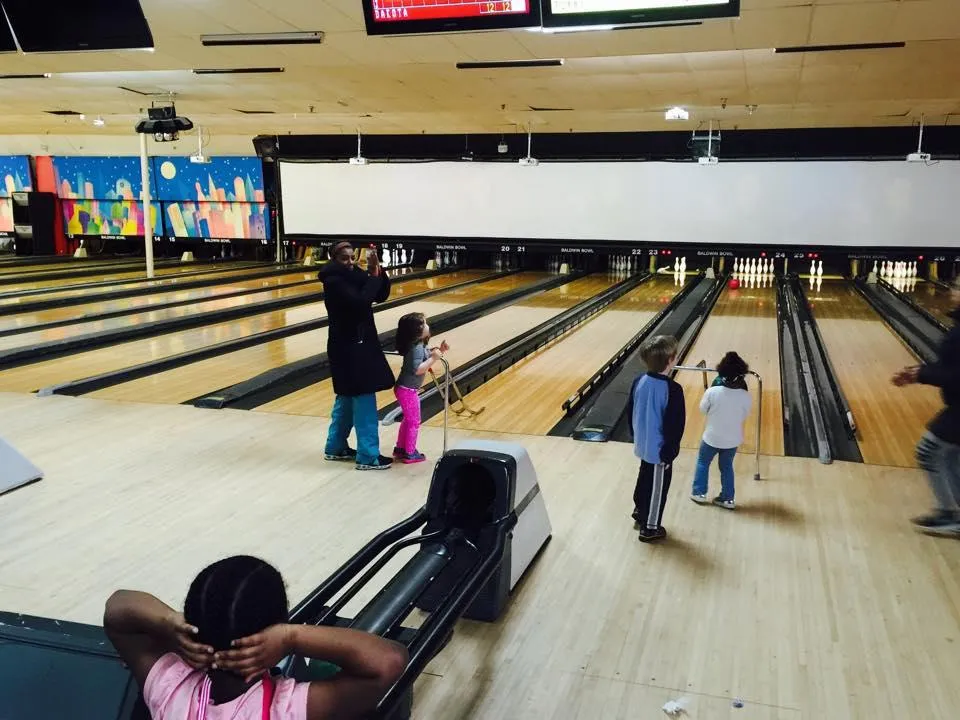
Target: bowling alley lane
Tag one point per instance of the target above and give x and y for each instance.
(94, 362)
(207, 376)
(25, 266)
(865, 354)
(743, 320)
(466, 342)
(934, 298)
(528, 397)
(79, 329)
(131, 272)
(163, 295)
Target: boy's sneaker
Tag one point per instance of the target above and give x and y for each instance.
(652, 534)
(382, 463)
(944, 530)
(936, 519)
(728, 504)
(415, 457)
(347, 454)
(700, 499)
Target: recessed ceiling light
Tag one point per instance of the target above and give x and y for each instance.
(99, 121)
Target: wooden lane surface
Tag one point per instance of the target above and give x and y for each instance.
(146, 302)
(207, 376)
(109, 274)
(823, 587)
(743, 320)
(865, 354)
(528, 397)
(81, 365)
(79, 329)
(935, 300)
(466, 342)
(15, 268)
(172, 285)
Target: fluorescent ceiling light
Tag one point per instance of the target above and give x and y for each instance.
(677, 113)
(277, 38)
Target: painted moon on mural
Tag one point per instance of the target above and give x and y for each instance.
(168, 170)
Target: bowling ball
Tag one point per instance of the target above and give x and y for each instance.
(733, 284)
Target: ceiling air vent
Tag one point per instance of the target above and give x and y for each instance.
(63, 113)
(255, 112)
(840, 48)
(237, 71)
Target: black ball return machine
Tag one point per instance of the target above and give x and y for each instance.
(484, 523)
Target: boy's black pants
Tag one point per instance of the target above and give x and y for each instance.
(650, 494)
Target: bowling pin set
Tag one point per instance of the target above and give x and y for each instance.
(754, 273)
(447, 258)
(396, 258)
(622, 265)
(902, 275)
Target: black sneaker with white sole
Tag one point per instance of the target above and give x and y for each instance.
(346, 455)
(382, 463)
(648, 534)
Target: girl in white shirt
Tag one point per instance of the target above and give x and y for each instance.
(727, 406)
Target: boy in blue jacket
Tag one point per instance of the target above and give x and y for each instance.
(657, 418)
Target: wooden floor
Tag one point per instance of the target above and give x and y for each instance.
(813, 600)
(743, 320)
(865, 354)
(935, 299)
(192, 381)
(165, 294)
(528, 397)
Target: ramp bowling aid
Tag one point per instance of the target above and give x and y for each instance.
(482, 526)
(464, 409)
(15, 470)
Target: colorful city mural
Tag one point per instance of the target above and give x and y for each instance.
(99, 195)
(223, 199)
(14, 177)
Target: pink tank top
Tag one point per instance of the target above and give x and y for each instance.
(175, 691)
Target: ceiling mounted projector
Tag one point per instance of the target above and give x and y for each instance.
(164, 123)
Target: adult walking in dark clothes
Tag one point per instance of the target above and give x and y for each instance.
(357, 363)
(939, 450)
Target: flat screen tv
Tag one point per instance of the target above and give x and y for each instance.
(590, 13)
(417, 17)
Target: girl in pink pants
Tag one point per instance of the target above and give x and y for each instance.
(413, 334)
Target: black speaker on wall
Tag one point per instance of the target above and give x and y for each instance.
(33, 223)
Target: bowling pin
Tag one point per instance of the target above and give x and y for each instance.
(683, 264)
(676, 264)
(875, 268)
(820, 269)
(813, 268)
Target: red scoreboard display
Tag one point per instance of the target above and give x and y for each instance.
(401, 17)
(395, 10)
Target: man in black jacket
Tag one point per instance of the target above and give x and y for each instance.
(357, 363)
(939, 450)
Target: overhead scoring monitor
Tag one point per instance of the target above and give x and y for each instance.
(406, 17)
(589, 13)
